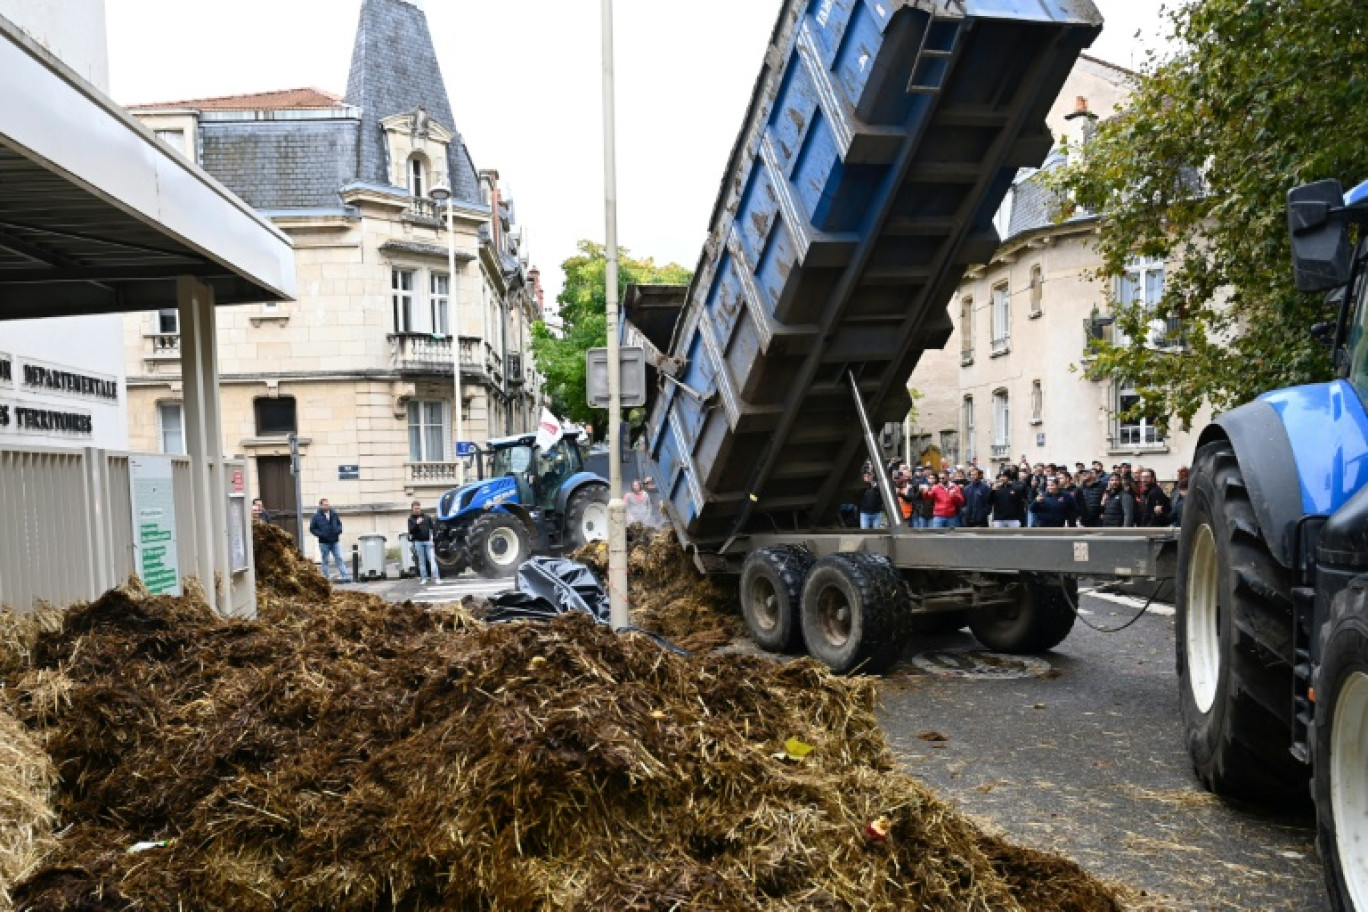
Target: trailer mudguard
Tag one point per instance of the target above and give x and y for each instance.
(1302, 451)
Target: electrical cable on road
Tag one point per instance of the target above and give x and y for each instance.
(1144, 609)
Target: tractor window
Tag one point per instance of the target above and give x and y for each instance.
(514, 460)
(1358, 339)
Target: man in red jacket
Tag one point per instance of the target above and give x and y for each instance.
(947, 499)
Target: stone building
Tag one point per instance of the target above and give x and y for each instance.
(361, 371)
(1011, 383)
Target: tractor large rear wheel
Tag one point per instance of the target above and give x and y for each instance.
(499, 545)
(1340, 744)
(586, 516)
(855, 612)
(1234, 641)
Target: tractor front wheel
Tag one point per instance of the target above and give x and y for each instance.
(499, 544)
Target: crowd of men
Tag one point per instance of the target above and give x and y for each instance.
(1045, 495)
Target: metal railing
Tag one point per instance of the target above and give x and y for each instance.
(1166, 334)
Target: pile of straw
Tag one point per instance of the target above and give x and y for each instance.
(345, 754)
(26, 780)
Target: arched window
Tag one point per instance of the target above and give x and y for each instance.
(417, 175)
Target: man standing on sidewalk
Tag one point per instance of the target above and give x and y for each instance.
(421, 532)
(326, 526)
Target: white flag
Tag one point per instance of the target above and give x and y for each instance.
(549, 431)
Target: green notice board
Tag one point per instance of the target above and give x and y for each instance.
(154, 523)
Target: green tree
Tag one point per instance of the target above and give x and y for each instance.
(583, 311)
(1259, 96)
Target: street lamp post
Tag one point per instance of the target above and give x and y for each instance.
(618, 602)
(442, 193)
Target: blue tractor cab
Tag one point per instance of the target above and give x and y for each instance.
(532, 501)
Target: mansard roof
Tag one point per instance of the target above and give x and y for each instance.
(394, 70)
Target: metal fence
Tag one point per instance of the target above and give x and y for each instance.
(66, 524)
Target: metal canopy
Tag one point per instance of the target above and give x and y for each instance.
(98, 216)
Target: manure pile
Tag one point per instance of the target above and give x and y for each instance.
(345, 754)
(668, 595)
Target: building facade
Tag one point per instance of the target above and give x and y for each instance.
(1012, 383)
(62, 379)
(360, 374)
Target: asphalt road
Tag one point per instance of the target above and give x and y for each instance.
(1079, 751)
(1086, 758)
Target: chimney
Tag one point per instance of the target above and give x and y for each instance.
(491, 177)
(538, 295)
(1081, 109)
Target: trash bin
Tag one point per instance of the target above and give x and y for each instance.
(407, 565)
(372, 556)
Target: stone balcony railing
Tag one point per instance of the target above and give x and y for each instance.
(427, 353)
(161, 348)
(435, 474)
(424, 210)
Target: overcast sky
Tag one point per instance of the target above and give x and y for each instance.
(524, 83)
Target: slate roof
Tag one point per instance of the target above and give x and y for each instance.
(281, 100)
(275, 165)
(394, 71)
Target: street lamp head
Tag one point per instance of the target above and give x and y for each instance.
(440, 192)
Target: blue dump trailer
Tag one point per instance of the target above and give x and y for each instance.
(881, 138)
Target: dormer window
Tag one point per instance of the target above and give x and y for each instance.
(417, 147)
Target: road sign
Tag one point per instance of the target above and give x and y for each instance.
(465, 449)
(633, 361)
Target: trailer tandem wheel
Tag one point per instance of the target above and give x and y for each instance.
(855, 612)
(1039, 620)
(1234, 641)
(771, 590)
(1340, 744)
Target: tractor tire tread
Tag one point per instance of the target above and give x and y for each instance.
(1248, 756)
(883, 612)
(786, 567)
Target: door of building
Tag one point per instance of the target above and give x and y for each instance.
(278, 492)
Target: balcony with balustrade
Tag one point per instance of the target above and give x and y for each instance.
(161, 349)
(427, 354)
(435, 476)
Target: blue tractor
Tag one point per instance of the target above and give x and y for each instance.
(534, 501)
(1272, 625)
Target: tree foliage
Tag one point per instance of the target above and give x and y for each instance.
(1259, 96)
(583, 310)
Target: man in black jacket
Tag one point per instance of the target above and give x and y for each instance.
(422, 532)
(326, 526)
(1151, 503)
(871, 504)
(976, 501)
(1007, 502)
(1089, 498)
